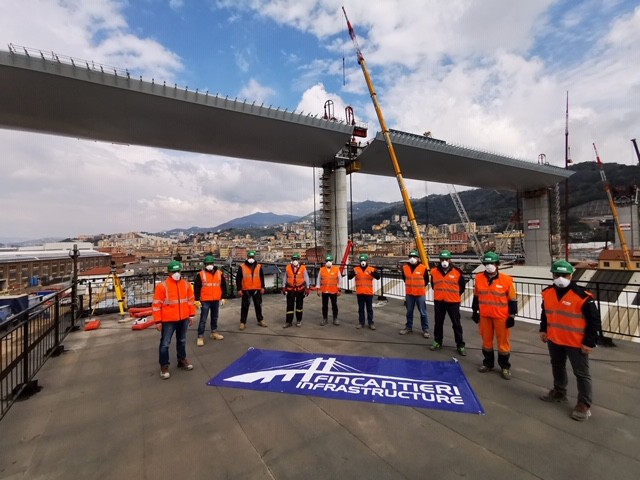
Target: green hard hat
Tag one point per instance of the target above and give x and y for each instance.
(251, 253)
(208, 259)
(174, 266)
(295, 256)
(562, 267)
(364, 256)
(445, 254)
(491, 257)
(329, 258)
(414, 253)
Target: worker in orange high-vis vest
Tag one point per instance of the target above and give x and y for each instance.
(448, 285)
(250, 285)
(494, 308)
(296, 287)
(364, 275)
(416, 278)
(328, 285)
(210, 288)
(569, 325)
(173, 311)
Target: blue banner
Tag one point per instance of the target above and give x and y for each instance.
(412, 383)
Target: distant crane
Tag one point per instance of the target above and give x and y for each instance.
(635, 145)
(464, 218)
(614, 212)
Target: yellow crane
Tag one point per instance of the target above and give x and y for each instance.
(614, 212)
(392, 153)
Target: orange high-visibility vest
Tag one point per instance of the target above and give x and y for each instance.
(446, 287)
(211, 285)
(494, 299)
(329, 279)
(251, 279)
(414, 282)
(173, 301)
(295, 280)
(565, 321)
(364, 280)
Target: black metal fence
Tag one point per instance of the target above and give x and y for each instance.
(27, 340)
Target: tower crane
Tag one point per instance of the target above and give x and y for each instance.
(635, 145)
(614, 212)
(390, 148)
(464, 218)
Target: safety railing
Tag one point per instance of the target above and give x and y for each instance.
(27, 340)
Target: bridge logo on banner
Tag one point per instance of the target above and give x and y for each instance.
(414, 383)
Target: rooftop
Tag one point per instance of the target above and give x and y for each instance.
(104, 412)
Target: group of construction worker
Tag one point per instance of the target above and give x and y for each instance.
(569, 324)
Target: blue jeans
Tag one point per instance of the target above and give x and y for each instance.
(180, 327)
(365, 301)
(212, 306)
(420, 301)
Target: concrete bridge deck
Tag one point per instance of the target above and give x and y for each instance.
(104, 413)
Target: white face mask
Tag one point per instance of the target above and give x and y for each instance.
(176, 276)
(295, 263)
(444, 264)
(561, 282)
(250, 260)
(209, 267)
(328, 264)
(490, 268)
(363, 264)
(413, 260)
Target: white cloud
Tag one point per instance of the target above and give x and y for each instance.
(255, 91)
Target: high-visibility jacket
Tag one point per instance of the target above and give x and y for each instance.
(493, 299)
(251, 278)
(211, 285)
(414, 282)
(565, 321)
(295, 278)
(364, 280)
(446, 287)
(173, 301)
(329, 278)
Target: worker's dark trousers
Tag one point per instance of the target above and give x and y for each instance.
(294, 299)
(440, 309)
(325, 305)
(579, 363)
(247, 296)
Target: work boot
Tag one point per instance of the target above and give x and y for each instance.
(287, 325)
(426, 334)
(405, 331)
(262, 323)
(506, 373)
(581, 412)
(485, 369)
(461, 351)
(336, 322)
(164, 372)
(372, 326)
(359, 326)
(324, 321)
(200, 342)
(215, 336)
(243, 326)
(299, 323)
(435, 346)
(184, 364)
(554, 396)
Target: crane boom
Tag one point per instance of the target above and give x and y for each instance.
(635, 145)
(614, 212)
(392, 153)
(464, 218)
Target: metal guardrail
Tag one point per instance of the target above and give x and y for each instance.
(27, 340)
